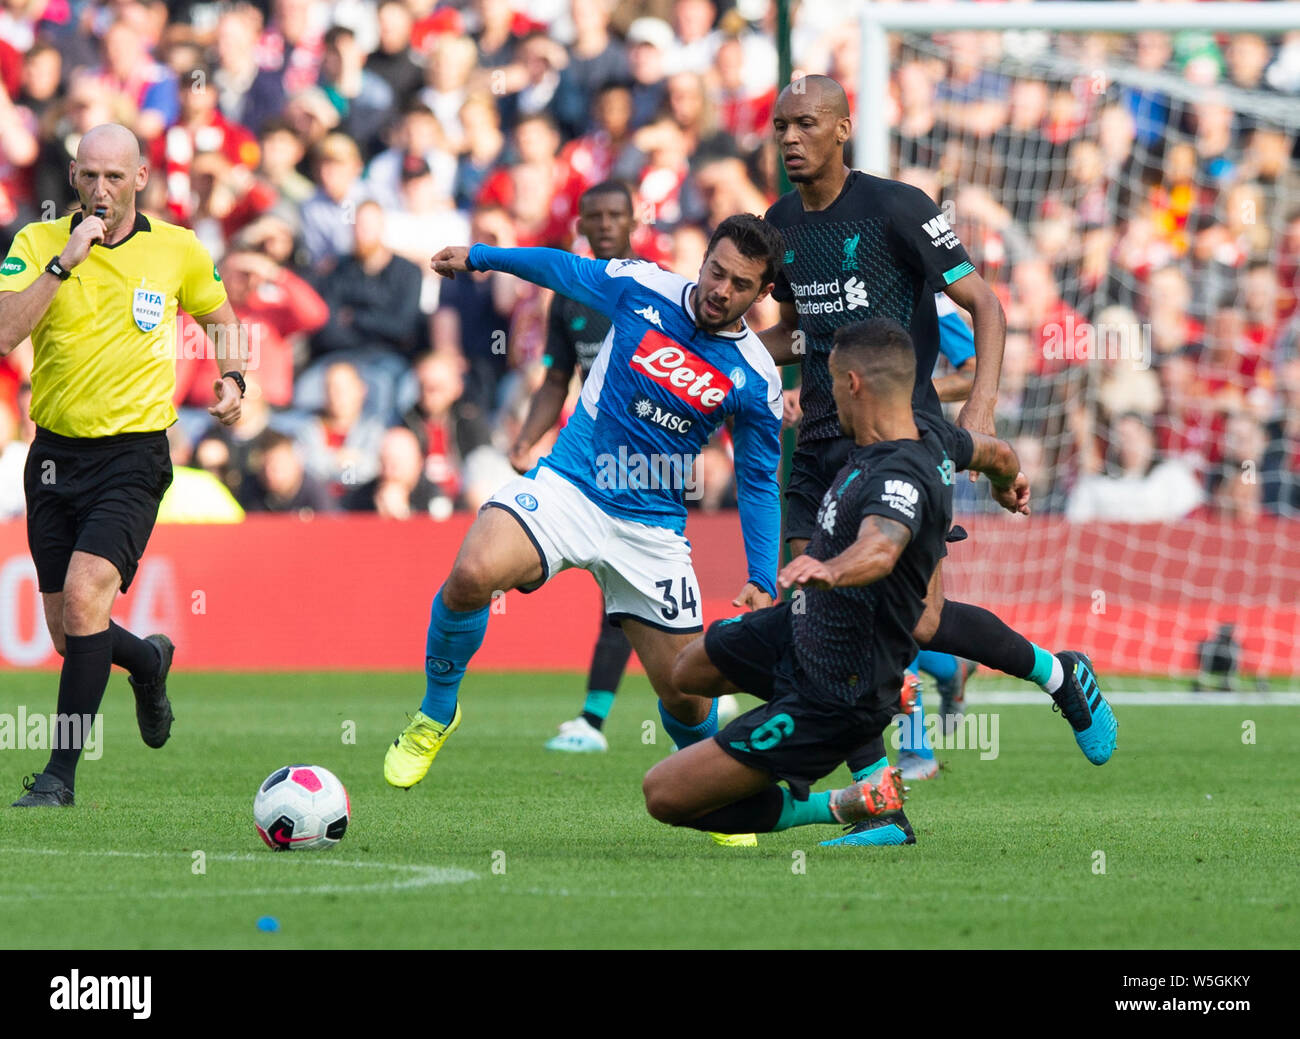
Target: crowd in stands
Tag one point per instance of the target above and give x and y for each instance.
(324, 150)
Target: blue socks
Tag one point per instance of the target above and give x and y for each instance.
(453, 638)
(943, 666)
(684, 735)
(817, 809)
(912, 727)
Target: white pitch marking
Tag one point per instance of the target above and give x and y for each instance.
(420, 876)
(1139, 699)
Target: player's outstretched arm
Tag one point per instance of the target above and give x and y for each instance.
(582, 280)
(871, 557)
(997, 460)
(783, 340)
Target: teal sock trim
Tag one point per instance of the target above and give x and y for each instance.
(862, 773)
(598, 702)
(817, 809)
(1042, 669)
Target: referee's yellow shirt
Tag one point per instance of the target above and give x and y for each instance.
(105, 351)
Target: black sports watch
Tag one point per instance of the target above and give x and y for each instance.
(58, 270)
(239, 381)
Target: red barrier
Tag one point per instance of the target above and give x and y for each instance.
(353, 593)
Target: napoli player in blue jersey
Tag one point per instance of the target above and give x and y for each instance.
(677, 362)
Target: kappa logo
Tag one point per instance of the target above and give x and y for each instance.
(688, 378)
(855, 294)
(650, 314)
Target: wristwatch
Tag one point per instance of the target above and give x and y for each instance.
(58, 270)
(239, 381)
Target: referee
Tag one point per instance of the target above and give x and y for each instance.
(97, 291)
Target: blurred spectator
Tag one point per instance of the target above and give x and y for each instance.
(591, 158)
(596, 60)
(291, 45)
(393, 60)
(484, 143)
(311, 116)
(42, 79)
(329, 215)
(1139, 489)
(445, 434)
(18, 150)
(279, 481)
(1259, 302)
(247, 94)
(195, 495)
(363, 98)
(282, 152)
(202, 130)
(692, 110)
(416, 133)
(129, 71)
(1248, 56)
(649, 41)
(276, 307)
(539, 190)
(400, 490)
(1280, 470)
(531, 86)
(374, 316)
(1238, 489)
(495, 36)
(422, 222)
(340, 445)
(447, 79)
(695, 43)
(745, 114)
(1149, 108)
(472, 321)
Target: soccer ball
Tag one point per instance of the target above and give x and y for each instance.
(301, 806)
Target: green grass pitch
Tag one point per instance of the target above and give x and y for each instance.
(508, 845)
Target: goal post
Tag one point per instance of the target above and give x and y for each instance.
(1134, 199)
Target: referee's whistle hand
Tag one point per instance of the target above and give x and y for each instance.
(226, 409)
(88, 232)
(451, 261)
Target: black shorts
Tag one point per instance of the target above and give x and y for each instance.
(97, 495)
(799, 736)
(747, 649)
(812, 471)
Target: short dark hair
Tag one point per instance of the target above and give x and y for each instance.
(755, 238)
(608, 187)
(335, 32)
(881, 351)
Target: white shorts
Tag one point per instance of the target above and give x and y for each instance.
(645, 572)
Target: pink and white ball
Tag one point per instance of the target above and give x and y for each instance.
(300, 807)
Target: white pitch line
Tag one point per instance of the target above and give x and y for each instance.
(419, 876)
(1134, 698)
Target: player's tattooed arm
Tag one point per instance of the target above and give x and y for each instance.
(872, 556)
(783, 340)
(997, 460)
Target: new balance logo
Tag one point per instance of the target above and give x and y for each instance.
(936, 228)
(650, 314)
(855, 294)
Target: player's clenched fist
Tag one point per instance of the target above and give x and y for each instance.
(1014, 498)
(88, 232)
(752, 596)
(451, 261)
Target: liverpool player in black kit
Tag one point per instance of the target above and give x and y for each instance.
(830, 662)
(858, 245)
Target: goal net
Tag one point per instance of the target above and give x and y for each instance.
(1134, 199)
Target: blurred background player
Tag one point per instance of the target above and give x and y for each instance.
(574, 335)
(855, 241)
